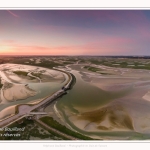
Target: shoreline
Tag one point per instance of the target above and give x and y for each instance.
(35, 106)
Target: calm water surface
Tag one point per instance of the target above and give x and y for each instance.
(85, 95)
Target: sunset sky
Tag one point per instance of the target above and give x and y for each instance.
(75, 32)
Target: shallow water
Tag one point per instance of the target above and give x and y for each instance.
(85, 97)
(43, 90)
(84, 94)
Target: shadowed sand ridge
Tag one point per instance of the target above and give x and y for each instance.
(112, 118)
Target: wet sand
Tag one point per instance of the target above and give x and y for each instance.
(19, 88)
(122, 113)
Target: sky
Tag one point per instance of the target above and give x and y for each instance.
(75, 32)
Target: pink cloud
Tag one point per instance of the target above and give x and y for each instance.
(21, 49)
(117, 40)
(105, 46)
(109, 46)
(8, 41)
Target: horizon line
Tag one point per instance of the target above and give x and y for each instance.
(80, 55)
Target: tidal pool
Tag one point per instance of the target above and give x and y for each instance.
(42, 89)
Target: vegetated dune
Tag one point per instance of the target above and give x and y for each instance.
(109, 118)
(22, 79)
(13, 92)
(20, 74)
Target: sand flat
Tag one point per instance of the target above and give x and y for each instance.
(13, 92)
(124, 113)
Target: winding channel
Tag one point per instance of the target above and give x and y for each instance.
(25, 109)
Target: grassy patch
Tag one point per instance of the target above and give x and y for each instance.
(31, 130)
(45, 63)
(48, 64)
(105, 73)
(122, 64)
(23, 73)
(94, 69)
(67, 63)
(54, 124)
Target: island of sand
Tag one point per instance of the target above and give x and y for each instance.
(13, 92)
